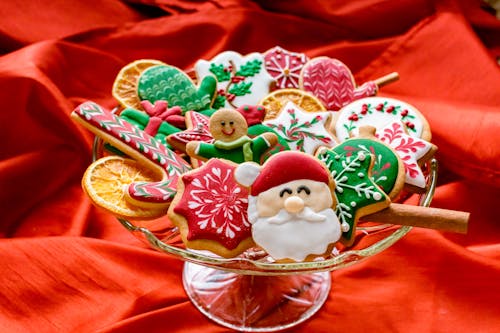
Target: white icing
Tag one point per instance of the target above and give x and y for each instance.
(246, 173)
(377, 119)
(261, 82)
(319, 128)
(408, 156)
(296, 238)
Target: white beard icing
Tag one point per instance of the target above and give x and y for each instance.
(294, 238)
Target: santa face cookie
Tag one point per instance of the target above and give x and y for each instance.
(291, 206)
(240, 79)
(304, 131)
(210, 209)
(284, 66)
(379, 112)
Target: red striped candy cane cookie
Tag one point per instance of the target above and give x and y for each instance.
(139, 145)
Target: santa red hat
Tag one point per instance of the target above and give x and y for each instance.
(281, 168)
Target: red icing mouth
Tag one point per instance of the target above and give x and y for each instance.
(228, 133)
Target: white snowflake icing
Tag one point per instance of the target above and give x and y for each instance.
(216, 201)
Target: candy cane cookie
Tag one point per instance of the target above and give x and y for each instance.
(140, 146)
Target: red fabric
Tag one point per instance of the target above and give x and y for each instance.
(66, 266)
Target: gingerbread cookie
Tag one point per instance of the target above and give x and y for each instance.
(210, 210)
(379, 112)
(291, 206)
(333, 83)
(355, 191)
(229, 130)
(254, 115)
(304, 131)
(414, 152)
(240, 79)
(139, 145)
(284, 66)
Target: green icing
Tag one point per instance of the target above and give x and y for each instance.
(258, 147)
(385, 169)
(258, 129)
(244, 142)
(141, 119)
(168, 83)
(354, 190)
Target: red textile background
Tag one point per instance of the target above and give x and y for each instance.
(66, 266)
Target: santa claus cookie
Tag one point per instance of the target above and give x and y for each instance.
(210, 210)
(291, 206)
(380, 112)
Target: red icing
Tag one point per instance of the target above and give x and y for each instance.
(254, 114)
(286, 167)
(215, 205)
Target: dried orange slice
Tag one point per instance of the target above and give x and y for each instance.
(125, 85)
(278, 98)
(105, 182)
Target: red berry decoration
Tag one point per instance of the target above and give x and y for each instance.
(404, 113)
(390, 109)
(380, 107)
(410, 125)
(353, 117)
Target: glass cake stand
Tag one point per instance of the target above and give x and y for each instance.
(252, 293)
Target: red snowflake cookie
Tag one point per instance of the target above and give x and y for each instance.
(210, 210)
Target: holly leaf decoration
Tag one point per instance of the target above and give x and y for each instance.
(220, 72)
(219, 102)
(250, 68)
(241, 89)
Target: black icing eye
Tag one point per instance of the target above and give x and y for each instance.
(285, 190)
(223, 123)
(305, 189)
(231, 123)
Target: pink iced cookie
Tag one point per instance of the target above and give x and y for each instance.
(284, 66)
(332, 82)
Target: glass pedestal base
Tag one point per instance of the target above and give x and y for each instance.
(255, 303)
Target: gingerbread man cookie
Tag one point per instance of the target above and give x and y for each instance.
(229, 130)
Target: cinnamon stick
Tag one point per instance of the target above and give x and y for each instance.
(386, 79)
(423, 217)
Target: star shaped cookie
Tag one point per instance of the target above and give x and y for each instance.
(304, 131)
